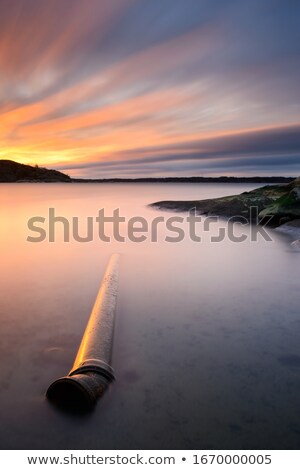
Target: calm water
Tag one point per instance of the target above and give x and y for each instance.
(206, 348)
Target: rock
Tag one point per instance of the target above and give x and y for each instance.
(280, 203)
(284, 220)
(295, 193)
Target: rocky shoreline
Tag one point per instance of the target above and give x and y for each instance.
(279, 203)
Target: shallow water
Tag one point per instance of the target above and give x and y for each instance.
(206, 348)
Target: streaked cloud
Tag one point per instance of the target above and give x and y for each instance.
(131, 87)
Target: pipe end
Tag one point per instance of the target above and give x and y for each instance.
(77, 393)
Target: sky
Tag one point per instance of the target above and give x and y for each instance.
(135, 88)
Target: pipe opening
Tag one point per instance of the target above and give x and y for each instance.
(78, 393)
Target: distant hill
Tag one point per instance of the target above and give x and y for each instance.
(12, 172)
(193, 179)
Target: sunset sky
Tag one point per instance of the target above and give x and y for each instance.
(131, 88)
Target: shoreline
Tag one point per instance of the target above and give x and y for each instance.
(279, 204)
(14, 172)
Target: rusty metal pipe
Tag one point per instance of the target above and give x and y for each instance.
(92, 373)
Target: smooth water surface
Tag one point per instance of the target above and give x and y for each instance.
(206, 348)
